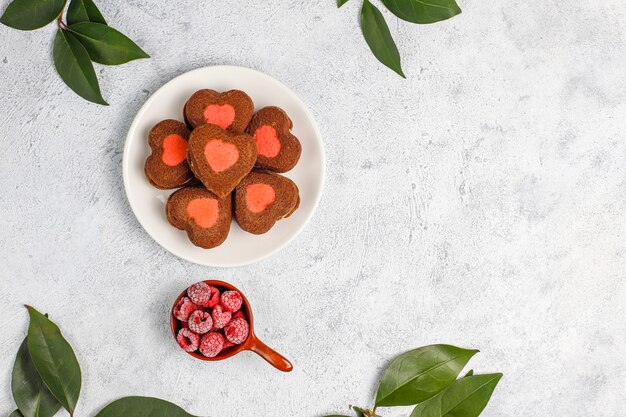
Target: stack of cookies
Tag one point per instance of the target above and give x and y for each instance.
(226, 160)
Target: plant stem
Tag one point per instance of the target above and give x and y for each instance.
(60, 22)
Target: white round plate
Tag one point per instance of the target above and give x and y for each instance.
(148, 203)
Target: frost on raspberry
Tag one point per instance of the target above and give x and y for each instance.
(237, 331)
(220, 317)
(200, 322)
(211, 344)
(183, 309)
(204, 295)
(188, 340)
(231, 301)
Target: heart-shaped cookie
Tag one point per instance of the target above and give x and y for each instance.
(167, 167)
(220, 159)
(204, 216)
(231, 110)
(278, 149)
(263, 198)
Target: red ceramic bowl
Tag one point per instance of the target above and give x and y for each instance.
(252, 342)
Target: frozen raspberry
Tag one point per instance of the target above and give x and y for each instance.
(188, 340)
(227, 344)
(238, 315)
(183, 308)
(215, 297)
(200, 322)
(231, 301)
(204, 295)
(237, 331)
(211, 344)
(220, 317)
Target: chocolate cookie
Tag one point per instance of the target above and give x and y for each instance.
(167, 167)
(220, 159)
(263, 198)
(204, 216)
(278, 149)
(231, 110)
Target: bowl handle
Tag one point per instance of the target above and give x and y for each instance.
(275, 359)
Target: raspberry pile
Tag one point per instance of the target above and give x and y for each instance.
(210, 320)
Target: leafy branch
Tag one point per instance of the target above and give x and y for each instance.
(83, 38)
(46, 376)
(377, 34)
(427, 378)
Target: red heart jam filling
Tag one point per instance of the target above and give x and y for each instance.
(267, 141)
(174, 150)
(259, 197)
(221, 115)
(220, 155)
(203, 211)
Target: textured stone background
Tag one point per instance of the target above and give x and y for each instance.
(480, 203)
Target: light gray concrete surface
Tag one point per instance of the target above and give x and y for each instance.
(480, 202)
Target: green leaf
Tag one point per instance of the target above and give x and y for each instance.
(362, 412)
(378, 37)
(341, 2)
(74, 66)
(31, 14)
(54, 359)
(466, 397)
(106, 45)
(359, 411)
(423, 11)
(469, 373)
(29, 392)
(142, 407)
(16, 413)
(421, 373)
(84, 11)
